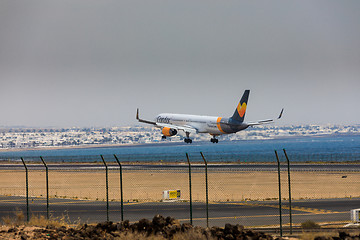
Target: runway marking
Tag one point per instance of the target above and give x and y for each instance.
(302, 209)
(38, 202)
(212, 218)
(12, 201)
(247, 216)
(65, 211)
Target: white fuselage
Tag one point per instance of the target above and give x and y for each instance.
(203, 124)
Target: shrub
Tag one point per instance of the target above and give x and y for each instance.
(309, 225)
(16, 220)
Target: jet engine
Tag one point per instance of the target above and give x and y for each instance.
(168, 132)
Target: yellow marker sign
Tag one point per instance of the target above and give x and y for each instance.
(171, 194)
(174, 194)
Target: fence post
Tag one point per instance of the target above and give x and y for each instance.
(278, 162)
(191, 219)
(207, 193)
(121, 188)
(107, 189)
(27, 190)
(47, 187)
(289, 183)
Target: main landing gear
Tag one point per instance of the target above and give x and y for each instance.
(163, 137)
(187, 139)
(214, 140)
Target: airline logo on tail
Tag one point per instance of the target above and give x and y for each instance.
(241, 109)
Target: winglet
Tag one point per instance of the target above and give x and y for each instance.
(280, 115)
(137, 114)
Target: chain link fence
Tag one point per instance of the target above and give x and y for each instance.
(85, 190)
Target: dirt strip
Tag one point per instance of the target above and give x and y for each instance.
(146, 185)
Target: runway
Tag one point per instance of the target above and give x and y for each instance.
(252, 213)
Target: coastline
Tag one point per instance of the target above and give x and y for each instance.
(94, 146)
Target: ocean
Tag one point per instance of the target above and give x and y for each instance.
(299, 149)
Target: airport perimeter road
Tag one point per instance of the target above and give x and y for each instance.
(245, 213)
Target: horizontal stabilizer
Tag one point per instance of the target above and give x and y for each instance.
(265, 121)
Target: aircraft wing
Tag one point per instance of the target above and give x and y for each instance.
(184, 128)
(265, 121)
(142, 120)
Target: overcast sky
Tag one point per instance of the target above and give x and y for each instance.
(92, 63)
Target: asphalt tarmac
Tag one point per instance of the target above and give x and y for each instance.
(251, 213)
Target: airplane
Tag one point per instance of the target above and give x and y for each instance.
(171, 123)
